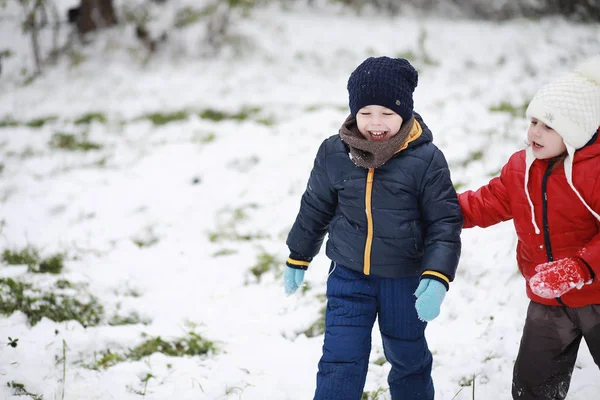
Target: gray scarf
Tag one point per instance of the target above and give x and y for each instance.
(368, 153)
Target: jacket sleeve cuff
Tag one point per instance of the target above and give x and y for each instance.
(298, 261)
(437, 276)
(592, 275)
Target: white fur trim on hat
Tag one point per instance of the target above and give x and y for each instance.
(571, 104)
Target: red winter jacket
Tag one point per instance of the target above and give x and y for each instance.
(567, 228)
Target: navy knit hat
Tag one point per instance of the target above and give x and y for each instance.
(383, 81)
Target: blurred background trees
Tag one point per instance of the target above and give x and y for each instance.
(580, 10)
(55, 31)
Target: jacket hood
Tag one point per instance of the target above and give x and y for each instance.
(426, 135)
(574, 157)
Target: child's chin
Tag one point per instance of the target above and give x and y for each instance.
(538, 152)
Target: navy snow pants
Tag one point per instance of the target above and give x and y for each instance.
(354, 300)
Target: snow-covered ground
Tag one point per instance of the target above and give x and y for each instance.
(207, 201)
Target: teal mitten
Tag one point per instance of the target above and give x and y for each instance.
(292, 279)
(430, 295)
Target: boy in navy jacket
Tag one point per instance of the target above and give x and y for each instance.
(382, 191)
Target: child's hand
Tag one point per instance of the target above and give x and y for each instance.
(430, 295)
(292, 279)
(553, 279)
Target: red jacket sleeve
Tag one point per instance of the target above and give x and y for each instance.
(591, 251)
(488, 205)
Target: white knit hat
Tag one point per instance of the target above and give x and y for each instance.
(571, 106)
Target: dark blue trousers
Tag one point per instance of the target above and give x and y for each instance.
(354, 300)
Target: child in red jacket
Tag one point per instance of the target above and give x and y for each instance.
(551, 191)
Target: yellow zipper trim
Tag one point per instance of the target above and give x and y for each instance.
(369, 242)
(414, 134)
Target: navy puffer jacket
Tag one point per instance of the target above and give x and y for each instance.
(401, 219)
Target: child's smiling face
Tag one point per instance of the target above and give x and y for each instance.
(544, 141)
(378, 123)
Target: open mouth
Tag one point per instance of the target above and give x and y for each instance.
(378, 135)
(537, 145)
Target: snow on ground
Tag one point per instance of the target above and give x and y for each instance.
(207, 199)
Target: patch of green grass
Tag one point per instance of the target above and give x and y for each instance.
(5, 53)
(26, 256)
(66, 141)
(514, 110)
(190, 345)
(267, 121)
(305, 287)
(408, 54)
(146, 239)
(421, 56)
(217, 115)
(133, 318)
(425, 57)
(18, 389)
(239, 215)
(8, 122)
(52, 265)
(224, 252)
(213, 115)
(458, 186)
(208, 138)
(159, 118)
(318, 327)
(63, 284)
(189, 15)
(148, 242)
(380, 361)
(106, 360)
(373, 395)
(246, 113)
(495, 173)
(265, 262)
(76, 57)
(473, 156)
(39, 122)
(129, 291)
(91, 117)
(57, 304)
(466, 381)
(229, 230)
(30, 256)
(143, 383)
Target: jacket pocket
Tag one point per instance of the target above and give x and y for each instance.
(332, 225)
(418, 236)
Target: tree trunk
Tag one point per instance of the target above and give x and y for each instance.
(95, 14)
